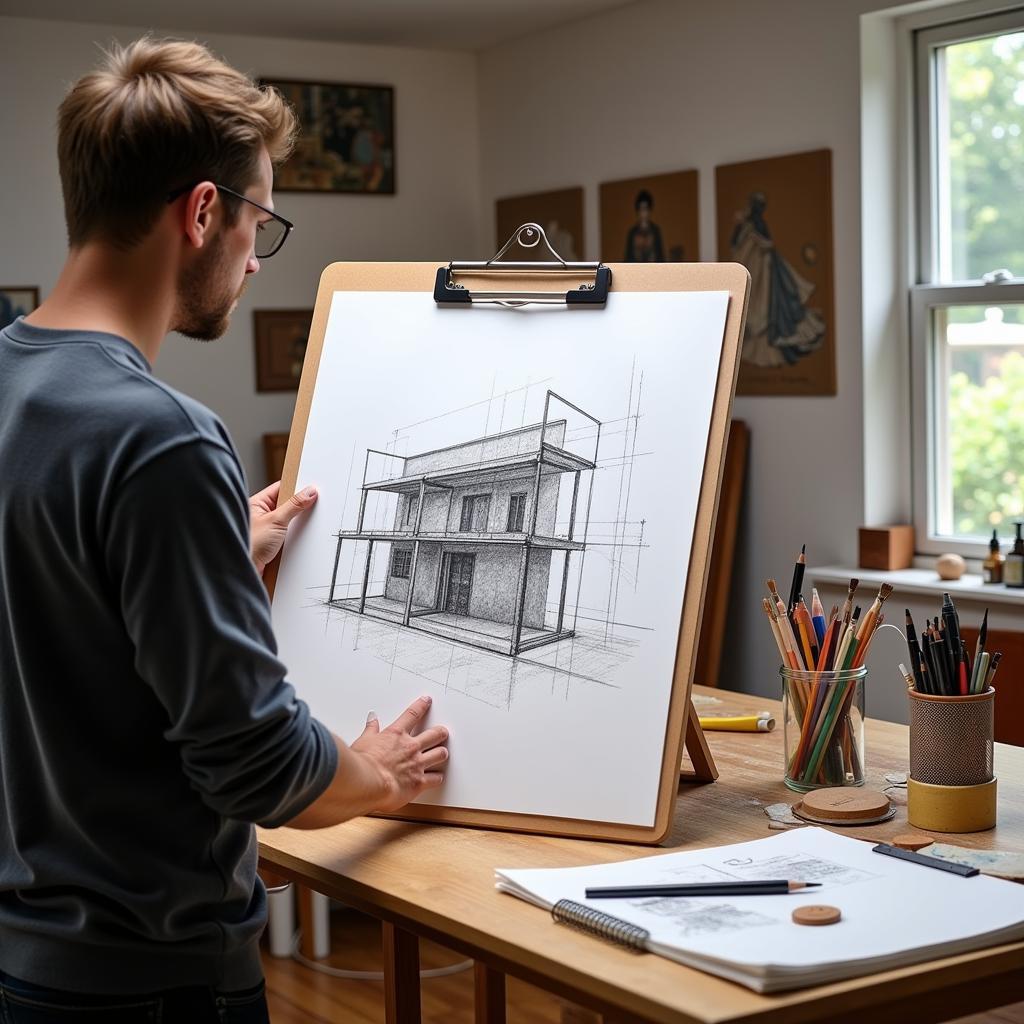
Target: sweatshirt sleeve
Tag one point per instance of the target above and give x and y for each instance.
(177, 550)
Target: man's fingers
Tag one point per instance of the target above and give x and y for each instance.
(412, 715)
(431, 780)
(372, 724)
(433, 758)
(297, 503)
(432, 737)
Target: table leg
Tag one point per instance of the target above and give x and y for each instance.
(401, 976)
(489, 995)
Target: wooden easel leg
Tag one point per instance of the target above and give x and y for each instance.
(489, 995)
(401, 976)
(696, 745)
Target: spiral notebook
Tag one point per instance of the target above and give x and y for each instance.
(893, 913)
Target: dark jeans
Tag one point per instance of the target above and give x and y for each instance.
(24, 1003)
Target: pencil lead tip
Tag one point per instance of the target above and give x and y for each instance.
(803, 549)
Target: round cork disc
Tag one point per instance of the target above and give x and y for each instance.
(843, 803)
(911, 841)
(816, 913)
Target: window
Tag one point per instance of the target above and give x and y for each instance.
(967, 307)
(411, 506)
(516, 513)
(475, 509)
(401, 563)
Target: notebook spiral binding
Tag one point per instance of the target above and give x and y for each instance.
(596, 922)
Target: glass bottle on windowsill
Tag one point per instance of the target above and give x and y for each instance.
(1013, 570)
(992, 567)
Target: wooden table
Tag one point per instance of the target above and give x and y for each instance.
(438, 882)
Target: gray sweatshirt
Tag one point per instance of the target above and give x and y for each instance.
(145, 722)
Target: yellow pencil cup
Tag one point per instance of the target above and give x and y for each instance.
(951, 787)
(823, 728)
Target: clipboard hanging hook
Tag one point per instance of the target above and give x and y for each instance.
(527, 236)
(448, 291)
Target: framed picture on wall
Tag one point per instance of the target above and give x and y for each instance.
(559, 213)
(775, 217)
(15, 302)
(281, 336)
(346, 139)
(650, 220)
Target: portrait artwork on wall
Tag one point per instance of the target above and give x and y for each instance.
(650, 220)
(346, 139)
(281, 337)
(559, 213)
(775, 217)
(15, 302)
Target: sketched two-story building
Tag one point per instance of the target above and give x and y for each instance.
(484, 536)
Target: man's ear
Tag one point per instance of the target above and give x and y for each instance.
(198, 212)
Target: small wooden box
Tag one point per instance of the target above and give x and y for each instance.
(885, 547)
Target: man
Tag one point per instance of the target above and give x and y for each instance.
(145, 723)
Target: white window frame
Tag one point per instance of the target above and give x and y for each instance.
(931, 292)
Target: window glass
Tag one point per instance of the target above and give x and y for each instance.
(979, 419)
(980, 153)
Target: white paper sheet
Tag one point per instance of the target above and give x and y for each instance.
(893, 912)
(575, 728)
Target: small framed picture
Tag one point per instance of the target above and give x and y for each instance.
(275, 446)
(15, 302)
(281, 336)
(346, 139)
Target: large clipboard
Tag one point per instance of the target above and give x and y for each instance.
(682, 727)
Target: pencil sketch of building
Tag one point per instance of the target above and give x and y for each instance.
(480, 536)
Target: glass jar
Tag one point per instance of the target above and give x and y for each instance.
(823, 728)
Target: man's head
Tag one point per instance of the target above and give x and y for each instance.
(163, 118)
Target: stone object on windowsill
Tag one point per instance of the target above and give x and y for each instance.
(950, 567)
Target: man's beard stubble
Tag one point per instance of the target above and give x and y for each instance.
(204, 305)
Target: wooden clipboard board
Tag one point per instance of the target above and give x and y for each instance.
(682, 726)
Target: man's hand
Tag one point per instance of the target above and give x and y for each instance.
(408, 762)
(382, 770)
(269, 524)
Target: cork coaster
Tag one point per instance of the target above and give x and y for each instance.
(816, 914)
(911, 841)
(840, 805)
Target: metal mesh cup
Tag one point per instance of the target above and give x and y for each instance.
(951, 738)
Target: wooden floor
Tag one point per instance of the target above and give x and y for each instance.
(298, 995)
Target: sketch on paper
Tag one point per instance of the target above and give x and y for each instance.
(482, 543)
(472, 545)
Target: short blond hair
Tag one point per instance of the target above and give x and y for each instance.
(158, 115)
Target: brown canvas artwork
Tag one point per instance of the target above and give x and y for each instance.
(560, 214)
(650, 220)
(775, 217)
(281, 337)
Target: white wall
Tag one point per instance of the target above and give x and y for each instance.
(434, 214)
(663, 86)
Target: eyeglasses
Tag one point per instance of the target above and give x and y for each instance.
(270, 234)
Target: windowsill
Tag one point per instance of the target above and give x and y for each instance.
(922, 581)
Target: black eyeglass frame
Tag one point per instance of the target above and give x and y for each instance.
(288, 225)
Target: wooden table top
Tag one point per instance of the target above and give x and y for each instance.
(438, 881)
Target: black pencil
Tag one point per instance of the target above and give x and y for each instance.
(915, 653)
(798, 578)
(773, 887)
